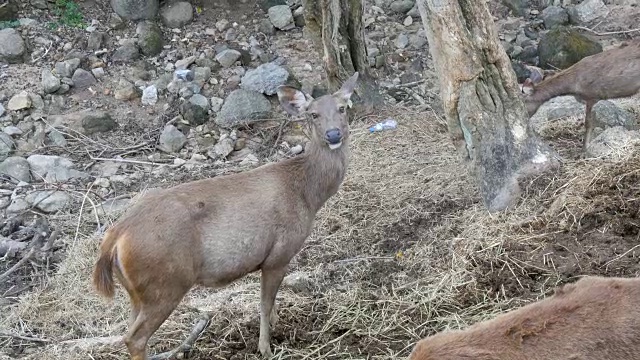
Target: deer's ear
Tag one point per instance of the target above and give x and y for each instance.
(293, 101)
(347, 88)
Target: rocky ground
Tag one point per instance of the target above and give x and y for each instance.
(95, 110)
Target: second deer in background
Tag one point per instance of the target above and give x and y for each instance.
(610, 74)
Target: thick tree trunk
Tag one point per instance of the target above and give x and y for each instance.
(485, 114)
(335, 27)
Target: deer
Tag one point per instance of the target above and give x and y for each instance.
(214, 231)
(595, 318)
(610, 74)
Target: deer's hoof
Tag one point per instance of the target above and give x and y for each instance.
(265, 350)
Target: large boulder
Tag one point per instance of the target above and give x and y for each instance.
(562, 47)
(177, 15)
(12, 47)
(135, 9)
(242, 107)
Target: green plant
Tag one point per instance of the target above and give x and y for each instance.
(69, 14)
(9, 24)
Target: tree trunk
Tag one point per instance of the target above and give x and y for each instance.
(336, 30)
(485, 114)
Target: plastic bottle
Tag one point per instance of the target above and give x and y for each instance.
(388, 124)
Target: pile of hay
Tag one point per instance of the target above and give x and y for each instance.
(404, 250)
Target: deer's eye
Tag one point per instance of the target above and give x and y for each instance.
(314, 116)
(342, 109)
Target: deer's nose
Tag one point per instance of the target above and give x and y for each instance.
(334, 136)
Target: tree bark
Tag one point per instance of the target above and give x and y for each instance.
(336, 30)
(485, 114)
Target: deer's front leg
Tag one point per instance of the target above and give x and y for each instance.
(270, 282)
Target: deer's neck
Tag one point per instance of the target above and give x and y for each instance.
(322, 172)
(550, 88)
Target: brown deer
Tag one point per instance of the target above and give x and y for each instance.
(610, 74)
(595, 318)
(212, 232)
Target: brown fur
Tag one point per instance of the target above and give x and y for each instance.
(212, 232)
(610, 74)
(595, 318)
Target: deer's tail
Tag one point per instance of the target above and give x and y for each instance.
(103, 271)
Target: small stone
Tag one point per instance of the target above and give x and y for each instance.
(36, 102)
(12, 130)
(281, 17)
(50, 83)
(177, 15)
(196, 110)
(402, 41)
(98, 72)
(126, 91)
(57, 138)
(222, 149)
(17, 168)
(185, 63)
(149, 38)
(201, 75)
(82, 79)
(241, 107)
(267, 27)
(66, 68)
(265, 78)
(12, 47)
(228, 57)
(126, 53)
(402, 6)
(408, 21)
(49, 201)
(216, 104)
(222, 25)
(172, 139)
(150, 95)
(19, 101)
(39, 4)
(6, 146)
(94, 42)
(296, 149)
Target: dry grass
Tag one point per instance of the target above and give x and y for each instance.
(404, 250)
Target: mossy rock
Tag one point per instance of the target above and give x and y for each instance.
(8, 11)
(518, 7)
(149, 38)
(562, 47)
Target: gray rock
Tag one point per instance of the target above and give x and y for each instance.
(519, 7)
(94, 42)
(126, 53)
(562, 47)
(135, 9)
(18, 205)
(111, 208)
(20, 101)
(39, 4)
(196, 110)
(562, 107)
(265, 78)
(12, 47)
(177, 14)
(149, 38)
(163, 82)
(614, 142)
(402, 41)
(228, 57)
(6, 146)
(51, 168)
(267, 27)
(86, 121)
(150, 95)
(587, 11)
(36, 101)
(50, 83)
(65, 69)
(216, 104)
(242, 107)
(83, 79)
(608, 114)
(2, 110)
(172, 139)
(201, 75)
(281, 17)
(222, 149)
(126, 91)
(17, 168)
(12, 130)
(402, 6)
(98, 73)
(417, 41)
(554, 16)
(49, 201)
(185, 63)
(57, 138)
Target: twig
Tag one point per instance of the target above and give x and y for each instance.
(187, 344)
(606, 33)
(18, 264)
(139, 162)
(26, 338)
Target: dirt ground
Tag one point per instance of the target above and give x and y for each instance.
(404, 250)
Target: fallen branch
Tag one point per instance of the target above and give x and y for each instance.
(187, 344)
(606, 33)
(25, 338)
(139, 162)
(18, 264)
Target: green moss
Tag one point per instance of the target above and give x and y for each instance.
(562, 47)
